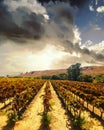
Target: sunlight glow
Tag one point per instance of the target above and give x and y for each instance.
(44, 59)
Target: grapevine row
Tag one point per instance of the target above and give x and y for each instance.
(71, 90)
(92, 93)
(22, 91)
(47, 107)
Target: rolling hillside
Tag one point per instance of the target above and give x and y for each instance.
(90, 70)
(93, 70)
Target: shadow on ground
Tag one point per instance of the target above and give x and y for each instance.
(42, 127)
(9, 126)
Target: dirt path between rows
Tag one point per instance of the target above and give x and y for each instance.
(59, 118)
(32, 116)
(3, 119)
(3, 114)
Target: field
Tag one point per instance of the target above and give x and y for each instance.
(29, 104)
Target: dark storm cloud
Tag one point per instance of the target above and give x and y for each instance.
(31, 23)
(61, 22)
(77, 3)
(1, 1)
(63, 13)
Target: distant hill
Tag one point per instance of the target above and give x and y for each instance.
(90, 70)
(93, 70)
(44, 72)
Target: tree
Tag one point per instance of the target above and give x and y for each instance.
(74, 71)
(55, 77)
(99, 78)
(62, 76)
(46, 77)
(85, 78)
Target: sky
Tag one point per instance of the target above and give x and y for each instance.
(45, 34)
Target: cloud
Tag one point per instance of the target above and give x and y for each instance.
(29, 30)
(100, 9)
(61, 24)
(99, 48)
(96, 51)
(68, 60)
(88, 43)
(83, 51)
(20, 20)
(27, 19)
(91, 8)
(96, 2)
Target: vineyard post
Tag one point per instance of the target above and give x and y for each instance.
(83, 102)
(66, 102)
(93, 109)
(87, 104)
(78, 98)
(102, 111)
(69, 108)
(74, 95)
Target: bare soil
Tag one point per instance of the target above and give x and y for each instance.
(59, 121)
(33, 115)
(3, 120)
(3, 113)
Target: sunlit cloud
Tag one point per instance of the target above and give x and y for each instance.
(100, 9)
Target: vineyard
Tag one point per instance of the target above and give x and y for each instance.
(29, 104)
